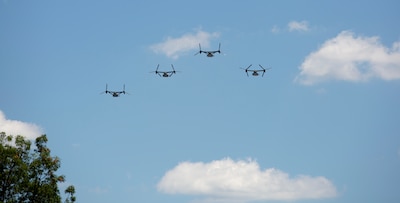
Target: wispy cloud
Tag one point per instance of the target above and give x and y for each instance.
(292, 26)
(351, 58)
(275, 29)
(14, 127)
(242, 181)
(174, 47)
(298, 26)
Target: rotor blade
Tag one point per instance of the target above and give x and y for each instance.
(172, 67)
(265, 69)
(199, 52)
(249, 66)
(104, 91)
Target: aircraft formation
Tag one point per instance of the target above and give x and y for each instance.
(167, 74)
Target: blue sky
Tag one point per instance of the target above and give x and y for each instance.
(322, 125)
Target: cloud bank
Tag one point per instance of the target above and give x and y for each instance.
(351, 58)
(174, 47)
(242, 181)
(13, 127)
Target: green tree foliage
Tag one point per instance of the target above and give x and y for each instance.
(70, 191)
(29, 175)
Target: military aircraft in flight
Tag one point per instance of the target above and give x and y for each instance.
(254, 72)
(114, 93)
(209, 53)
(165, 74)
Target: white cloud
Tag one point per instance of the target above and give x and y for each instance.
(228, 180)
(298, 26)
(14, 127)
(174, 47)
(351, 58)
(292, 26)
